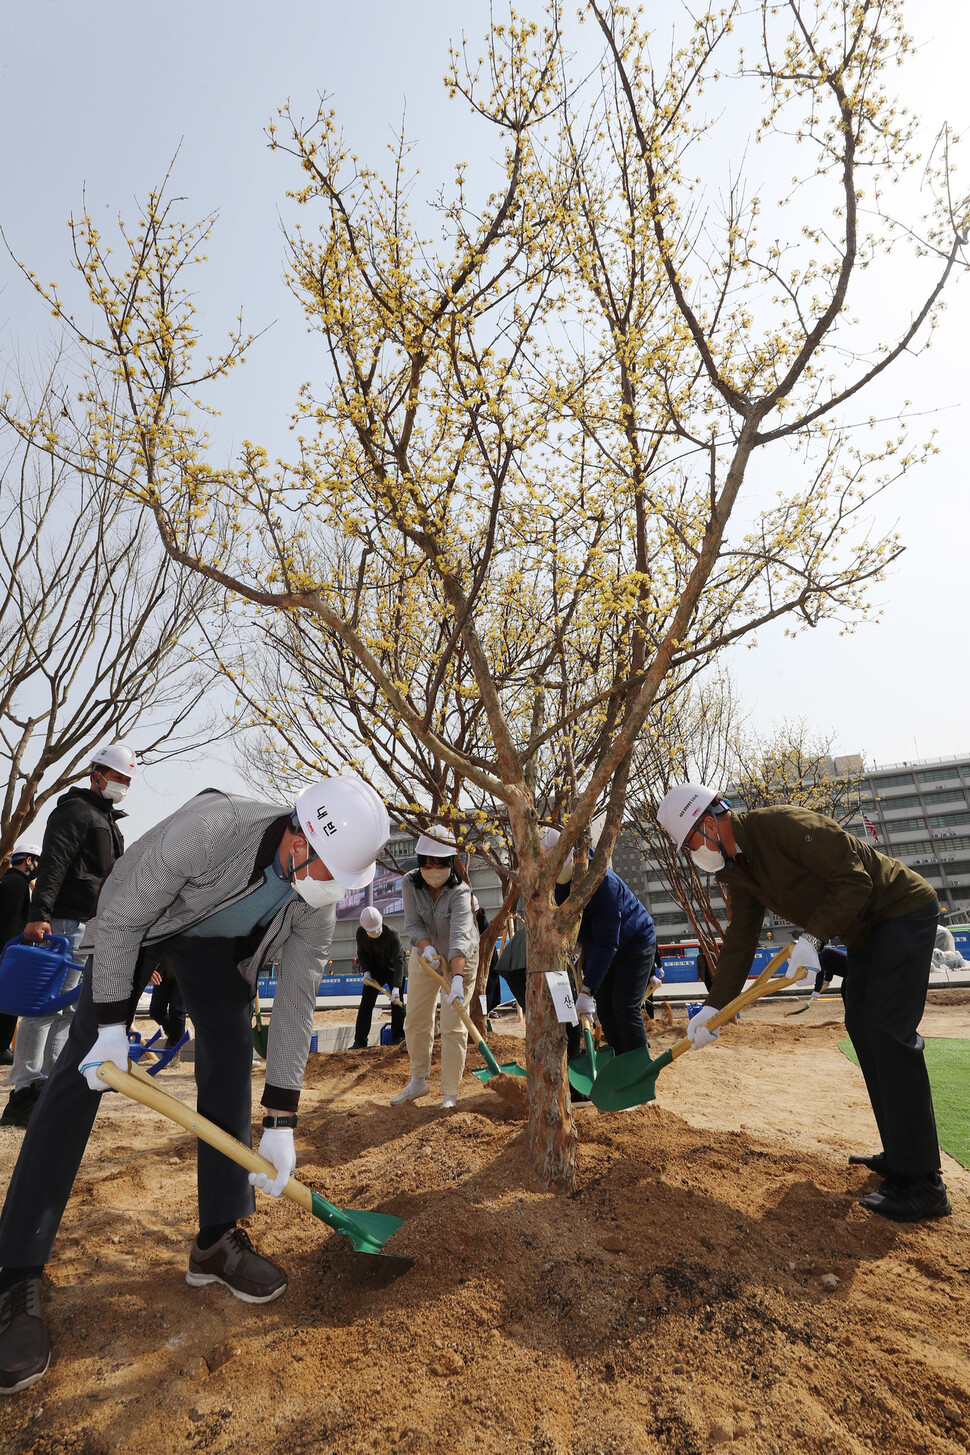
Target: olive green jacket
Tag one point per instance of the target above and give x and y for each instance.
(807, 869)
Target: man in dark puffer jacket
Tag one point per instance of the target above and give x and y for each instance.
(81, 843)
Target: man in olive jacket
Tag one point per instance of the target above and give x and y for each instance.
(804, 867)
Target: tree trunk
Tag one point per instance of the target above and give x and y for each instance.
(552, 1134)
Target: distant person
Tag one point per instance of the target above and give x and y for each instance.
(14, 910)
(382, 961)
(493, 985)
(804, 867)
(82, 841)
(167, 1008)
(439, 922)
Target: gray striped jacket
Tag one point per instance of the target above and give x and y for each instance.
(194, 862)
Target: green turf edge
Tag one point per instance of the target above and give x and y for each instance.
(948, 1063)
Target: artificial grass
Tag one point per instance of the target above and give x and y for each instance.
(948, 1062)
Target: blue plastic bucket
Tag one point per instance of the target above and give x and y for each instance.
(31, 976)
(693, 1006)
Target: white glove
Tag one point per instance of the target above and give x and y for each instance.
(804, 957)
(111, 1045)
(655, 980)
(586, 1005)
(430, 954)
(276, 1145)
(457, 990)
(697, 1032)
(395, 996)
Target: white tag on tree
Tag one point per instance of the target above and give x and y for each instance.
(562, 996)
(483, 1002)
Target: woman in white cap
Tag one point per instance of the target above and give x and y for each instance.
(382, 961)
(440, 923)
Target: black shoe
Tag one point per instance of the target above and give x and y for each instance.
(25, 1349)
(6, 1058)
(577, 1097)
(909, 1199)
(20, 1105)
(360, 1046)
(876, 1163)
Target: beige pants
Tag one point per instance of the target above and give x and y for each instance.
(422, 997)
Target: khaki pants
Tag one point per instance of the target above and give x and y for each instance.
(422, 997)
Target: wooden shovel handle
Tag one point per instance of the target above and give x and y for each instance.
(754, 992)
(140, 1087)
(457, 1006)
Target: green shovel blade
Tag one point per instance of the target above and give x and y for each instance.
(584, 1069)
(367, 1231)
(628, 1080)
(492, 1068)
(508, 1068)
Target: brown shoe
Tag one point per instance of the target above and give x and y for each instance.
(25, 1349)
(233, 1261)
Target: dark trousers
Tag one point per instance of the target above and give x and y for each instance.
(218, 1000)
(8, 1024)
(365, 1014)
(167, 1009)
(619, 997)
(884, 991)
(493, 985)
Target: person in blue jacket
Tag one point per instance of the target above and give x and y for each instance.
(619, 947)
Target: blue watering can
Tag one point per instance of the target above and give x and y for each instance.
(31, 976)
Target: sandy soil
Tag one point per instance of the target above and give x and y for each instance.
(713, 1283)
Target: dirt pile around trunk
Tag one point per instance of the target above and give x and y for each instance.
(713, 1283)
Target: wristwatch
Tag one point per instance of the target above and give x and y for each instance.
(271, 1123)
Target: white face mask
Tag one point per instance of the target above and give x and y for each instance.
(708, 861)
(318, 893)
(114, 792)
(435, 878)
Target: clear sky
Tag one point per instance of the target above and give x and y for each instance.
(96, 98)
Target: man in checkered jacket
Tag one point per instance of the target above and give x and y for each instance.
(221, 887)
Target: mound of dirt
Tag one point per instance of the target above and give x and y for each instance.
(712, 1283)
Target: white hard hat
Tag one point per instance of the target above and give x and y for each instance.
(436, 845)
(371, 920)
(23, 847)
(346, 825)
(117, 756)
(678, 810)
(549, 840)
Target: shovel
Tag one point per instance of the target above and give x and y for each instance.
(584, 1069)
(367, 1231)
(492, 1068)
(630, 1079)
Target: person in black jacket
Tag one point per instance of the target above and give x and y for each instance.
(14, 904)
(382, 961)
(82, 840)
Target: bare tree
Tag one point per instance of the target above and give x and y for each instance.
(794, 765)
(693, 738)
(98, 636)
